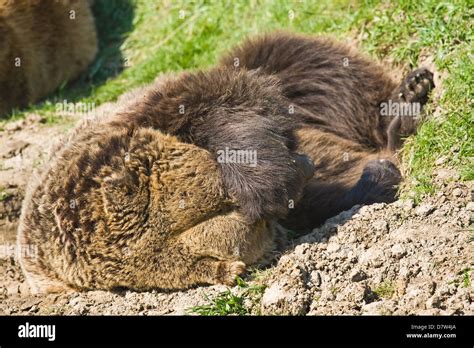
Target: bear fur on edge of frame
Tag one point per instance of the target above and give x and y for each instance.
(42, 44)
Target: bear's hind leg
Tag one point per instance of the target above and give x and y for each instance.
(377, 184)
(346, 174)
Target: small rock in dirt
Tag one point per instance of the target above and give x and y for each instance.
(33, 309)
(470, 206)
(380, 225)
(401, 286)
(12, 289)
(404, 271)
(79, 304)
(24, 289)
(279, 301)
(408, 204)
(333, 247)
(431, 311)
(447, 174)
(441, 160)
(315, 279)
(13, 148)
(457, 192)
(372, 256)
(424, 210)
(14, 126)
(398, 251)
(300, 250)
(358, 275)
(455, 148)
(373, 308)
(28, 304)
(433, 302)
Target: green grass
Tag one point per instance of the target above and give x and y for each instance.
(466, 279)
(143, 38)
(229, 303)
(225, 303)
(463, 278)
(4, 195)
(384, 290)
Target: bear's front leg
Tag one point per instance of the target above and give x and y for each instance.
(258, 170)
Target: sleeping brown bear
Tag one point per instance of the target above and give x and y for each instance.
(337, 101)
(145, 198)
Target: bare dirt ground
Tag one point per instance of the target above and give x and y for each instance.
(381, 259)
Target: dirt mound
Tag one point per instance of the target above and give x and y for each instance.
(382, 259)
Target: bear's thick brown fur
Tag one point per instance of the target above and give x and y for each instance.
(335, 96)
(131, 207)
(140, 199)
(43, 43)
